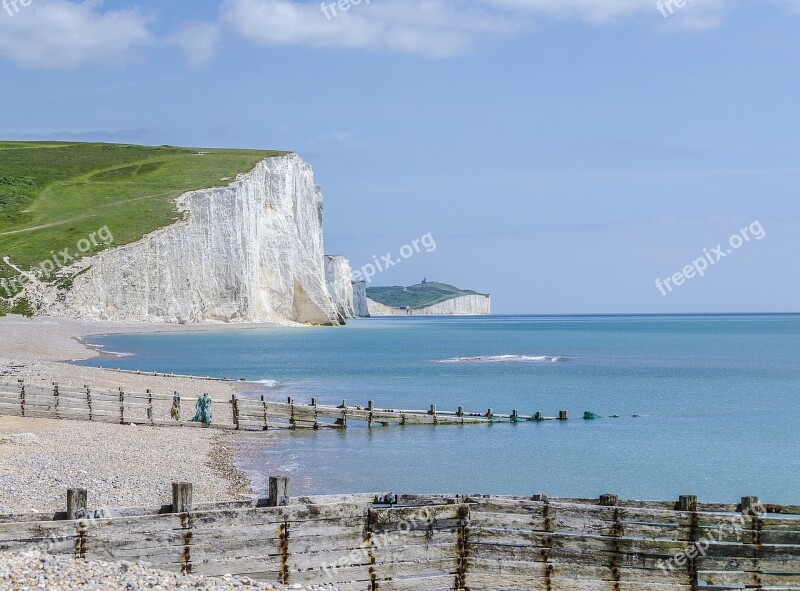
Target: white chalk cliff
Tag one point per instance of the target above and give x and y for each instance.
(360, 304)
(466, 305)
(248, 252)
(338, 276)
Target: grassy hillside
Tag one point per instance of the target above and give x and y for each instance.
(416, 296)
(53, 195)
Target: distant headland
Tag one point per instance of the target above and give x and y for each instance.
(429, 298)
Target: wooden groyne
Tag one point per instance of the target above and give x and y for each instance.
(56, 401)
(395, 542)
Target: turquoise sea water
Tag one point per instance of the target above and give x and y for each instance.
(717, 399)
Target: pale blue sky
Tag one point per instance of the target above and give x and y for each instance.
(563, 153)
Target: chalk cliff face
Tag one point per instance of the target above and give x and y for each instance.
(360, 304)
(338, 276)
(468, 305)
(249, 252)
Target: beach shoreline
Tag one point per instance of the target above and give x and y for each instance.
(118, 463)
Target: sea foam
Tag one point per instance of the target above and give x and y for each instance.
(504, 359)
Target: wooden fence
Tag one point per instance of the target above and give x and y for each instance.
(238, 412)
(438, 542)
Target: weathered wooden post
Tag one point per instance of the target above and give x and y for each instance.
(181, 497)
(235, 410)
(22, 397)
(56, 397)
(609, 500)
(343, 421)
(460, 411)
(540, 498)
(687, 503)
(290, 402)
(538, 416)
(563, 415)
(89, 401)
(370, 409)
(266, 416)
(76, 501)
(149, 405)
(121, 406)
(750, 506)
(490, 415)
(279, 494)
(313, 402)
(514, 416)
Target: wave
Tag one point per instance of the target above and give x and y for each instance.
(267, 383)
(505, 359)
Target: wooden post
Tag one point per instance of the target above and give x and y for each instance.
(89, 400)
(489, 414)
(563, 415)
(149, 405)
(687, 503)
(541, 498)
(55, 395)
(432, 411)
(514, 416)
(181, 497)
(313, 402)
(750, 506)
(343, 421)
(121, 406)
(370, 409)
(609, 500)
(266, 417)
(278, 491)
(22, 397)
(289, 400)
(460, 411)
(76, 501)
(235, 410)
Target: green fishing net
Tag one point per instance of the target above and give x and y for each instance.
(204, 413)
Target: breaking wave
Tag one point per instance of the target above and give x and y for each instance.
(505, 359)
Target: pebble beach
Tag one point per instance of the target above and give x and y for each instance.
(33, 570)
(120, 465)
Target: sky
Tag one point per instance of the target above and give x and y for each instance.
(565, 156)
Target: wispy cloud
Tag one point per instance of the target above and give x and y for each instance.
(58, 34)
(437, 28)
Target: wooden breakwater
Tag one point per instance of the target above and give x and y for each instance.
(394, 542)
(56, 401)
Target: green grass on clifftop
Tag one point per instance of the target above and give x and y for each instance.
(416, 296)
(52, 195)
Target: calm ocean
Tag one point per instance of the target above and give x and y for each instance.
(718, 399)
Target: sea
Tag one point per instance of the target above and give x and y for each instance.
(705, 405)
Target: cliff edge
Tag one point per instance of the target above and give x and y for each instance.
(248, 252)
